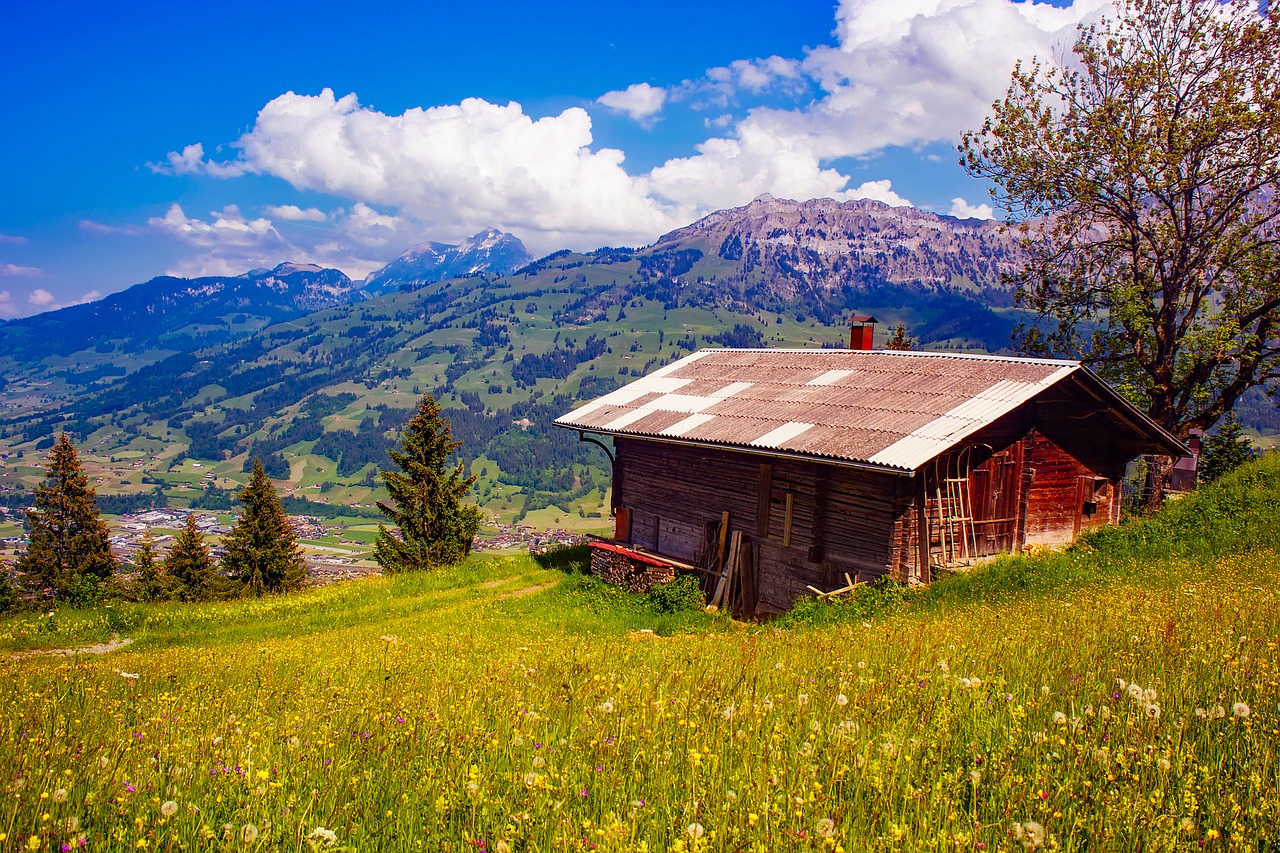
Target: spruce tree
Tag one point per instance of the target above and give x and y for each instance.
(189, 563)
(1224, 451)
(148, 577)
(69, 553)
(901, 341)
(435, 527)
(262, 548)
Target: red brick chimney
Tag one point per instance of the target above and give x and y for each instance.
(862, 330)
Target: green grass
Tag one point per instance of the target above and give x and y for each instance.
(525, 706)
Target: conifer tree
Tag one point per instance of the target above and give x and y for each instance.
(901, 341)
(189, 563)
(8, 595)
(69, 552)
(1225, 450)
(262, 548)
(435, 527)
(148, 577)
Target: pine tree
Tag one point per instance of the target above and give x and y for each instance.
(8, 595)
(900, 340)
(69, 552)
(189, 564)
(1224, 451)
(435, 527)
(151, 583)
(262, 548)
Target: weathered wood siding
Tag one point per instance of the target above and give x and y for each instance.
(1065, 496)
(841, 519)
(809, 523)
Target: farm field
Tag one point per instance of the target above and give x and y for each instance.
(1122, 695)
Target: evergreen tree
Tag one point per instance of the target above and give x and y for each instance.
(1224, 451)
(262, 548)
(8, 595)
(69, 552)
(151, 582)
(435, 528)
(189, 564)
(900, 340)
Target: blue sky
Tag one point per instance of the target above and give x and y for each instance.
(148, 138)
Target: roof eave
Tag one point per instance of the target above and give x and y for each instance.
(771, 452)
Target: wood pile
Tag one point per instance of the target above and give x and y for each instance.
(630, 571)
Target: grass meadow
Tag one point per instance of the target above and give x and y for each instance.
(1119, 696)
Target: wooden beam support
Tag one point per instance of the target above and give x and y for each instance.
(786, 523)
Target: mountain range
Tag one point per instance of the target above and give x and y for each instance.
(315, 373)
(490, 251)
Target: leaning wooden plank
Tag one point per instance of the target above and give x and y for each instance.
(722, 586)
(786, 523)
(723, 534)
(748, 581)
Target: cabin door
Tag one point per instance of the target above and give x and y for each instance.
(996, 490)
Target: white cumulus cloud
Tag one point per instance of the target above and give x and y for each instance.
(7, 269)
(881, 190)
(901, 73)
(293, 213)
(7, 308)
(15, 239)
(639, 100)
(41, 298)
(226, 228)
(961, 209)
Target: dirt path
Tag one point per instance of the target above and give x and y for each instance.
(116, 642)
(528, 590)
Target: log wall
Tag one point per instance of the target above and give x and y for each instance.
(1065, 497)
(807, 523)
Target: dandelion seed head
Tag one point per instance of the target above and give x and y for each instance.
(169, 808)
(1240, 709)
(695, 830)
(825, 828)
(1031, 834)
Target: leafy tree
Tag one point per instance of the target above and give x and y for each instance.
(435, 528)
(69, 552)
(1224, 451)
(901, 340)
(262, 548)
(1146, 182)
(190, 565)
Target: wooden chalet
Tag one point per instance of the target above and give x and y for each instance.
(808, 470)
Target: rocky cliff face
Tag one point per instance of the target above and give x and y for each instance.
(824, 244)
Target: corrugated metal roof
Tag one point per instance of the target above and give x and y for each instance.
(894, 410)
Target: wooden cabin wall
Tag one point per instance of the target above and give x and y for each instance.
(1061, 489)
(841, 519)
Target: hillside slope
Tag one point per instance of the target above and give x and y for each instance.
(507, 706)
(320, 395)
